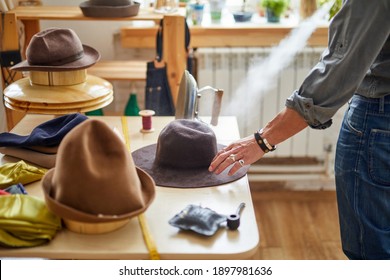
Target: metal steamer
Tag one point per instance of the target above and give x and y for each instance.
(187, 106)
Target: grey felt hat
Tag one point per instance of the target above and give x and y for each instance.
(109, 8)
(57, 49)
(182, 155)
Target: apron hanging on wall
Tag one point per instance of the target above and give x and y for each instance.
(158, 96)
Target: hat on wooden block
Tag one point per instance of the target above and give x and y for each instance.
(95, 186)
(182, 155)
(57, 49)
(58, 83)
(109, 8)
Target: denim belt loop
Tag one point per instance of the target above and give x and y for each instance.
(382, 104)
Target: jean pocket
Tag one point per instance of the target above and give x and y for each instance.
(379, 156)
(353, 121)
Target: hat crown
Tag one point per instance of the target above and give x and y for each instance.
(185, 143)
(54, 47)
(95, 173)
(110, 2)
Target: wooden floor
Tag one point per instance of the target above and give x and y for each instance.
(297, 225)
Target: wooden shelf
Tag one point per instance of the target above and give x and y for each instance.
(120, 70)
(230, 36)
(74, 13)
(174, 54)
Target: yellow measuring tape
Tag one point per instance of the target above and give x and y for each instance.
(153, 253)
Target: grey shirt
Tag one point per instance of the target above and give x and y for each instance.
(357, 60)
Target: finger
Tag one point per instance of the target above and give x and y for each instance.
(219, 153)
(235, 167)
(229, 160)
(224, 150)
(218, 160)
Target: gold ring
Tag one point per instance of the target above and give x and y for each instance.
(241, 162)
(233, 157)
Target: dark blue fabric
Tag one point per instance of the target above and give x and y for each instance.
(47, 134)
(16, 189)
(158, 96)
(363, 179)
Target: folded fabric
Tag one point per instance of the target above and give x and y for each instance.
(19, 172)
(41, 159)
(3, 192)
(25, 221)
(44, 149)
(16, 189)
(49, 133)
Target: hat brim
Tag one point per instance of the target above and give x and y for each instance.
(69, 213)
(180, 177)
(90, 10)
(90, 57)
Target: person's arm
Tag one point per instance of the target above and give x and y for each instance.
(357, 34)
(286, 124)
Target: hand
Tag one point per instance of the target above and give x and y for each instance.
(242, 152)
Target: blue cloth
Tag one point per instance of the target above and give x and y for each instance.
(49, 133)
(16, 189)
(362, 171)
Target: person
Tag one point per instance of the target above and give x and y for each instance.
(354, 68)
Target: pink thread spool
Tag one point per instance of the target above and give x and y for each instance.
(147, 120)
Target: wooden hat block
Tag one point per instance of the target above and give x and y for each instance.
(94, 228)
(63, 78)
(58, 93)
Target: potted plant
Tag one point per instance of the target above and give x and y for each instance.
(334, 9)
(274, 9)
(243, 15)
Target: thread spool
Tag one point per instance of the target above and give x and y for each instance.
(147, 120)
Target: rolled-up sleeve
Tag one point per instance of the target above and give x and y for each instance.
(356, 36)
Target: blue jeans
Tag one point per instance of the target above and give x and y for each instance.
(362, 172)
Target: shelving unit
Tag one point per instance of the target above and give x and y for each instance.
(256, 35)
(174, 54)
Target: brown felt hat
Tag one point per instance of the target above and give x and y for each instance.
(57, 49)
(95, 179)
(182, 155)
(109, 8)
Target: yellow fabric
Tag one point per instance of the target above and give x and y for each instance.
(153, 253)
(19, 172)
(25, 221)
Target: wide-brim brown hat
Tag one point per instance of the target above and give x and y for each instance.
(95, 179)
(109, 8)
(182, 155)
(57, 49)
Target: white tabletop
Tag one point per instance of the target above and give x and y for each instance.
(127, 242)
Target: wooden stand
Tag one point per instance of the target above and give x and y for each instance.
(174, 53)
(58, 93)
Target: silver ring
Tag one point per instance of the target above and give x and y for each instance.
(241, 162)
(233, 157)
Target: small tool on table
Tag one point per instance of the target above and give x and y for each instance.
(233, 220)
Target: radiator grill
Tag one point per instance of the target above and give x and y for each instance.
(226, 68)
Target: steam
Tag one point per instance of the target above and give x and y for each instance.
(262, 74)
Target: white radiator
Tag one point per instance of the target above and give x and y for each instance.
(225, 68)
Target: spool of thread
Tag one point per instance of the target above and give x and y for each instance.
(147, 120)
